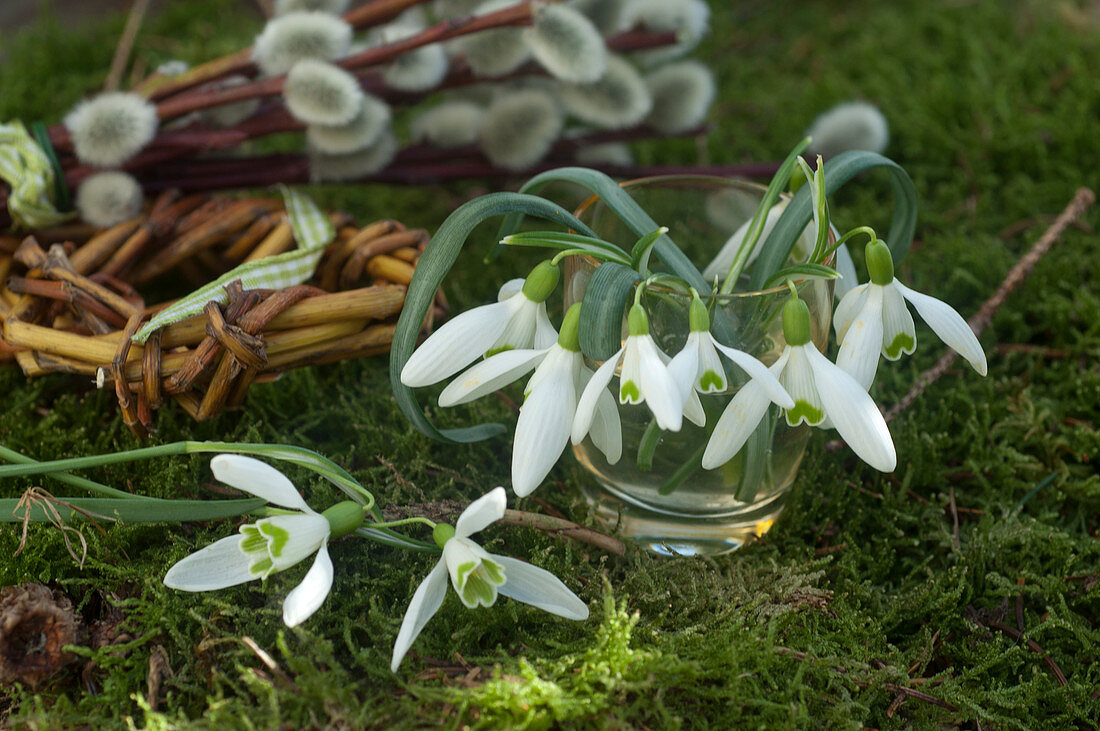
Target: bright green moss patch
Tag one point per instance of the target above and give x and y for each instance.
(864, 586)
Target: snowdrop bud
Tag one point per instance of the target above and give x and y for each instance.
(520, 128)
(109, 129)
(228, 115)
(338, 168)
(290, 38)
(682, 94)
(619, 99)
(608, 153)
(880, 264)
(362, 131)
(450, 124)
(566, 44)
(415, 70)
(541, 282)
(497, 51)
(606, 15)
(107, 198)
(688, 18)
(332, 7)
(320, 93)
(849, 126)
(796, 322)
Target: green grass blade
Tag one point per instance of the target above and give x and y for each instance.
(566, 241)
(605, 300)
(434, 264)
(838, 171)
(799, 271)
(150, 510)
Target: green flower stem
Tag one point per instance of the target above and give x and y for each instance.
(691, 465)
(866, 230)
(404, 521)
(647, 445)
(11, 455)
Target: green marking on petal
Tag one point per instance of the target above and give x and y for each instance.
(253, 542)
(277, 538)
(260, 568)
(477, 590)
(463, 570)
(629, 392)
(493, 351)
(804, 409)
(711, 379)
(494, 572)
(901, 342)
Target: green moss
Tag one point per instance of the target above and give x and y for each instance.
(864, 582)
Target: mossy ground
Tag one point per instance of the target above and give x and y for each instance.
(864, 585)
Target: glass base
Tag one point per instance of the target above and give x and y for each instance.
(677, 534)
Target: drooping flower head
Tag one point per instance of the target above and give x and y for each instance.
(872, 319)
(479, 576)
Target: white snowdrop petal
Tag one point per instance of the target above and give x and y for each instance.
(566, 43)
(306, 533)
(759, 373)
(660, 393)
(693, 409)
(684, 369)
(110, 128)
(948, 325)
(457, 343)
(520, 331)
(317, 92)
(107, 198)
(606, 429)
(618, 99)
(848, 308)
(297, 36)
(482, 512)
(853, 413)
(510, 288)
(849, 126)
(899, 335)
(798, 380)
(740, 417)
(545, 333)
(425, 603)
(710, 376)
(721, 263)
(862, 344)
(308, 596)
(491, 374)
(257, 478)
(543, 428)
(217, 566)
(539, 588)
(593, 390)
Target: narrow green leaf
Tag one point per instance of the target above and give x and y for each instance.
(639, 255)
(564, 241)
(605, 300)
(803, 270)
(149, 510)
(433, 266)
(838, 171)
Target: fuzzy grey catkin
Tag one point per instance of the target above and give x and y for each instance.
(228, 115)
(682, 94)
(110, 128)
(849, 126)
(295, 36)
(450, 124)
(520, 128)
(493, 52)
(417, 70)
(320, 93)
(332, 7)
(619, 99)
(107, 198)
(340, 168)
(566, 44)
(606, 153)
(689, 19)
(606, 15)
(362, 131)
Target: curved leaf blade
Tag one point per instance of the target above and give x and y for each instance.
(150, 510)
(605, 300)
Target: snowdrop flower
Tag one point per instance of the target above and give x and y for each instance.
(698, 366)
(479, 576)
(549, 403)
(872, 319)
(107, 198)
(110, 128)
(849, 126)
(270, 544)
(820, 391)
(644, 378)
(515, 322)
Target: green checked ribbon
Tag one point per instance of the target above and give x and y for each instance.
(28, 170)
(312, 230)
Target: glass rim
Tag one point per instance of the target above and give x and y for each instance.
(718, 179)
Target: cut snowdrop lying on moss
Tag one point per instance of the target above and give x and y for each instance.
(479, 576)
